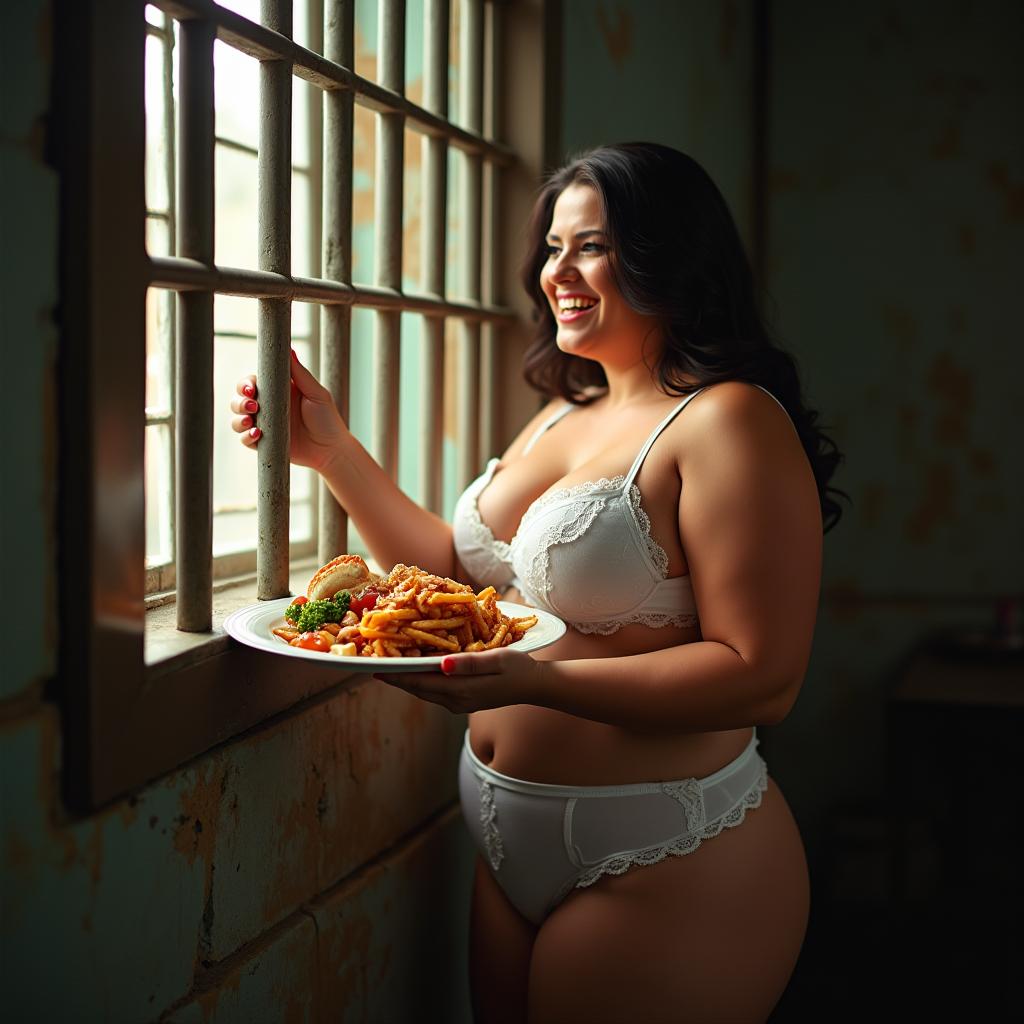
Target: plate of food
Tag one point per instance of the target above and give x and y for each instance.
(406, 620)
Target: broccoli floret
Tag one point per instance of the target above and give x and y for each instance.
(313, 614)
(293, 611)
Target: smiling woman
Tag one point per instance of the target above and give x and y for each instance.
(667, 504)
(578, 276)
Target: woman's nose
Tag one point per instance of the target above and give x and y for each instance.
(564, 268)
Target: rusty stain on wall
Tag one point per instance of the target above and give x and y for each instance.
(982, 463)
(952, 386)
(199, 812)
(935, 505)
(961, 90)
(298, 827)
(1013, 194)
(345, 957)
(618, 36)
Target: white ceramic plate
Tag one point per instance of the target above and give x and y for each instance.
(253, 626)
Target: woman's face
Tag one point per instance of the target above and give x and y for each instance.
(594, 320)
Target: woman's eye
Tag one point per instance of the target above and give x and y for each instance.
(552, 250)
(593, 247)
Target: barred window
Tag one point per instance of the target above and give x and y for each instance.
(237, 178)
(385, 233)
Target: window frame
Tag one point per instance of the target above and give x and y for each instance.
(126, 722)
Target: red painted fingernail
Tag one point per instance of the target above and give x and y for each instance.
(250, 406)
(294, 355)
(246, 421)
(255, 433)
(247, 390)
(447, 666)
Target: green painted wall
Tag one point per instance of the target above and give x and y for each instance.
(895, 234)
(671, 71)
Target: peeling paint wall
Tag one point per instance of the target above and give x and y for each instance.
(314, 869)
(677, 72)
(896, 170)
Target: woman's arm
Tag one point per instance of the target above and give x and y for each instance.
(750, 523)
(394, 527)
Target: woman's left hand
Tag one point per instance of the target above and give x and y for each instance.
(473, 682)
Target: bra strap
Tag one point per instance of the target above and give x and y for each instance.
(639, 461)
(548, 424)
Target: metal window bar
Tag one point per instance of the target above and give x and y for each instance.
(264, 44)
(194, 410)
(191, 275)
(468, 373)
(274, 320)
(489, 352)
(434, 247)
(314, 214)
(388, 251)
(335, 343)
(157, 576)
(194, 276)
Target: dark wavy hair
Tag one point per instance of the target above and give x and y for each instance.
(676, 255)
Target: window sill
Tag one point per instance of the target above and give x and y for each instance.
(167, 648)
(132, 722)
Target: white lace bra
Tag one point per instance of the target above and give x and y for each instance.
(584, 553)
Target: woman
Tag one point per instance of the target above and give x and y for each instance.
(637, 862)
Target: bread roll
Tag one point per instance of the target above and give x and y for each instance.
(346, 572)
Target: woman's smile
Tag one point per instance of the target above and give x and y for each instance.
(574, 307)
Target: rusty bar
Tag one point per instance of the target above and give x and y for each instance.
(194, 362)
(335, 342)
(388, 251)
(489, 392)
(314, 211)
(273, 330)
(433, 236)
(468, 375)
(261, 43)
(184, 275)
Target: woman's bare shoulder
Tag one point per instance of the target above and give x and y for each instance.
(735, 415)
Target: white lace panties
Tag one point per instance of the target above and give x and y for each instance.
(542, 841)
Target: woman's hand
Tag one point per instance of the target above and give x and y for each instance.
(475, 682)
(316, 427)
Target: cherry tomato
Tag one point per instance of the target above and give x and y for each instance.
(300, 601)
(364, 603)
(311, 642)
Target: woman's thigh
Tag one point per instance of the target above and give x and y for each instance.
(500, 947)
(708, 937)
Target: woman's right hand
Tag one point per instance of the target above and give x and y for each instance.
(317, 428)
